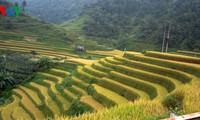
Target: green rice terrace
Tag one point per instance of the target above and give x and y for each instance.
(132, 85)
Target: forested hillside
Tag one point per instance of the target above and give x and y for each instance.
(19, 27)
(130, 22)
(55, 11)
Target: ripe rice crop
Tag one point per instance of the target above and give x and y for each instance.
(103, 94)
(173, 57)
(186, 67)
(27, 103)
(91, 102)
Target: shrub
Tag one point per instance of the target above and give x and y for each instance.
(174, 101)
(15, 68)
(6, 79)
(91, 90)
(44, 63)
(90, 57)
(33, 53)
(67, 82)
(1, 101)
(59, 88)
(144, 52)
(77, 108)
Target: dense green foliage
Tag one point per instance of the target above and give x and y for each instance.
(77, 108)
(174, 101)
(14, 68)
(19, 68)
(131, 22)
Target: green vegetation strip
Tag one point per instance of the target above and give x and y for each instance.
(186, 67)
(173, 57)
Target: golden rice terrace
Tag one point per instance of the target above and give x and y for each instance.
(116, 80)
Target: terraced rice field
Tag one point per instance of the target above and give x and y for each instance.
(136, 76)
(41, 49)
(189, 53)
(42, 98)
(114, 81)
(107, 53)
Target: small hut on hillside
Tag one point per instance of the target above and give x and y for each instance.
(30, 38)
(80, 48)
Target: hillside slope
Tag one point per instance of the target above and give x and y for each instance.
(18, 27)
(139, 24)
(156, 83)
(55, 11)
(142, 79)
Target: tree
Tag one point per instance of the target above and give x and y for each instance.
(23, 4)
(33, 53)
(6, 79)
(16, 4)
(9, 25)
